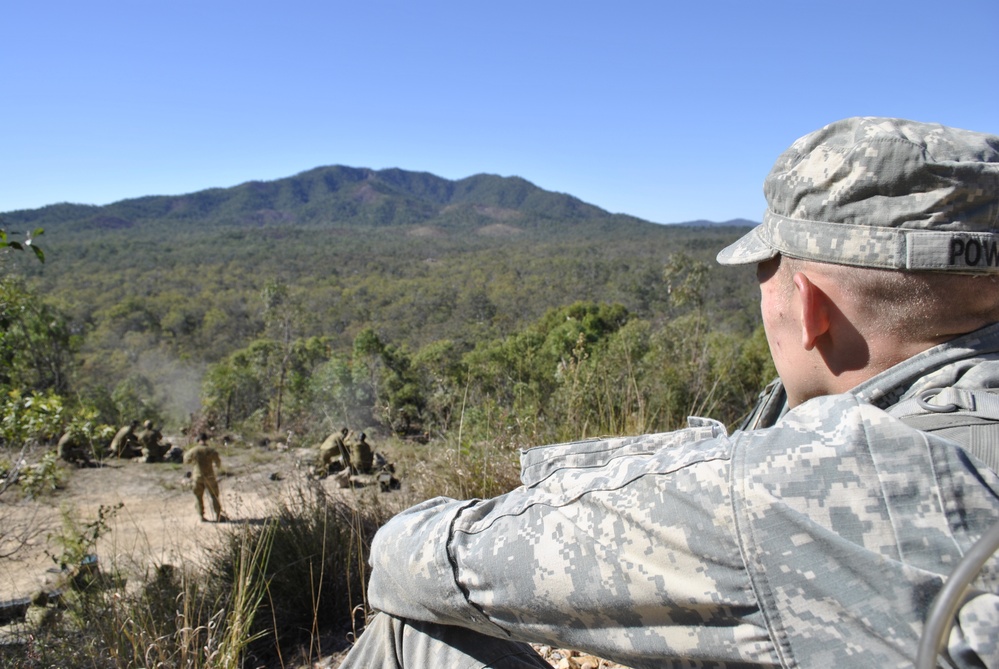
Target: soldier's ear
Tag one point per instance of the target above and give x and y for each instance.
(815, 308)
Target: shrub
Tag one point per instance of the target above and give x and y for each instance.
(32, 416)
(41, 477)
(315, 577)
(478, 470)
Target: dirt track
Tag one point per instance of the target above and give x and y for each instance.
(157, 522)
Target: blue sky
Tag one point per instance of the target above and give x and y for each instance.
(664, 110)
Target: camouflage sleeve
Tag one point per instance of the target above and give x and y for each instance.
(627, 548)
(817, 542)
(850, 522)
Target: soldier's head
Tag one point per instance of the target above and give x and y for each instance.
(880, 240)
(344, 431)
(148, 425)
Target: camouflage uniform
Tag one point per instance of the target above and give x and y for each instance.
(205, 459)
(125, 444)
(151, 441)
(73, 448)
(333, 454)
(817, 538)
(362, 459)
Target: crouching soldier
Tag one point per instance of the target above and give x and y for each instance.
(333, 455)
(74, 449)
(150, 440)
(362, 458)
(125, 444)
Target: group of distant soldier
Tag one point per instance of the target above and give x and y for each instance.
(146, 443)
(347, 456)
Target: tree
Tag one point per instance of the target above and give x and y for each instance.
(281, 315)
(443, 377)
(235, 389)
(6, 241)
(686, 281)
(383, 375)
(15, 533)
(36, 345)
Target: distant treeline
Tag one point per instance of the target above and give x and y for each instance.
(390, 299)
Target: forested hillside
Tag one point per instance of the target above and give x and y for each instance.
(452, 322)
(383, 297)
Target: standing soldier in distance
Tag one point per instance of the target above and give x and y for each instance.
(205, 459)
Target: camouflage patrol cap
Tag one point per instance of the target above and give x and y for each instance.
(885, 193)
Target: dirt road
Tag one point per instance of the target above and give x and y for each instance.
(157, 522)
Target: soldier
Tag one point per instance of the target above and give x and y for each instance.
(815, 536)
(150, 440)
(205, 459)
(125, 444)
(362, 458)
(73, 448)
(333, 454)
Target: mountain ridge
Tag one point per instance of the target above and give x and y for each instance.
(338, 194)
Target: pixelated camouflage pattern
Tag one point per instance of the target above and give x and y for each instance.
(817, 542)
(884, 193)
